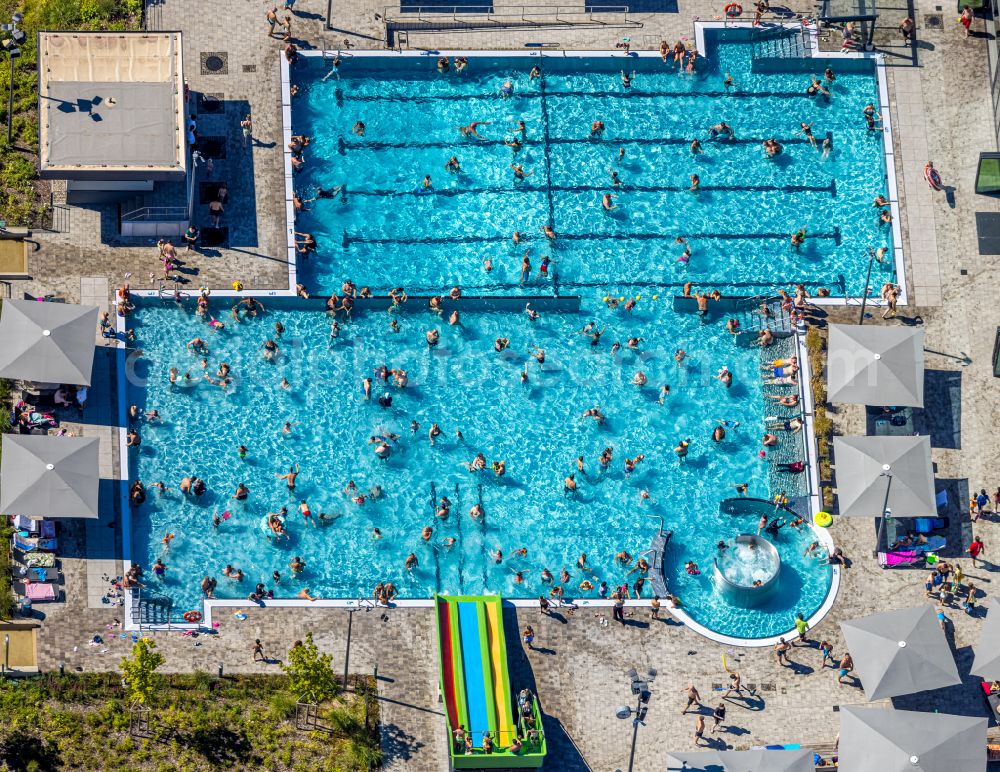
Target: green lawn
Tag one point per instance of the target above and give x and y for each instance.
(198, 722)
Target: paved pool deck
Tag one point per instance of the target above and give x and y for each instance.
(940, 106)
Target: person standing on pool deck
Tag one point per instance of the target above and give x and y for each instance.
(719, 714)
(781, 652)
(976, 549)
(699, 729)
(693, 698)
(846, 666)
(801, 627)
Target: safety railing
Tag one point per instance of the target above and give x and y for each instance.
(156, 214)
(466, 16)
(779, 42)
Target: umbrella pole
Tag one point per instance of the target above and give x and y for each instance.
(881, 520)
(868, 282)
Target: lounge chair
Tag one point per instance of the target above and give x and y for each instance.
(901, 559)
(31, 544)
(929, 524)
(39, 591)
(40, 560)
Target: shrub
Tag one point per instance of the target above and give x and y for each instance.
(282, 706)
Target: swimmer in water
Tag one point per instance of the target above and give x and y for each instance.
(470, 130)
(806, 129)
(608, 202)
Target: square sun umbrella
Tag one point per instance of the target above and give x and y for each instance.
(900, 652)
(986, 662)
(49, 476)
(876, 740)
(799, 760)
(47, 342)
(876, 474)
(871, 365)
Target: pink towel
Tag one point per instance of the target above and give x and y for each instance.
(898, 558)
(40, 591)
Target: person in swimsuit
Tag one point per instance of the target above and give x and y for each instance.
(470, 129)
(290, 475)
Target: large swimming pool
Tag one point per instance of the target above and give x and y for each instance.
(537, 428)
(380, 232)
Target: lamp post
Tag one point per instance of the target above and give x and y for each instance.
(640, 689)
(10, 44)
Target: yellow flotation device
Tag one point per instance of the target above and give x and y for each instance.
(823, 519)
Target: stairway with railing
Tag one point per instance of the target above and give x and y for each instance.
(469, 18)
(151, 609)
(774, 47)
(759, 313)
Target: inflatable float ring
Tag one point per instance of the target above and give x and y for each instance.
(192, 616)
(733, 10)
(823, 519)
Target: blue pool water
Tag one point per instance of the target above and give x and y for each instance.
(383, 233)
(462, 384)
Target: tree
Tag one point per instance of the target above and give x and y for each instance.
(139, 673)
(309, 672)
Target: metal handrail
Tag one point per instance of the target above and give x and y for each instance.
(485, 10)
(156, 212)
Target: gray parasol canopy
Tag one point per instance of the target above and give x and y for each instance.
(872, 365)
(47, 342)
(900, 652)
(800, 760)
(869, 468)
(49, 476)
(986, 662)
(876, 740)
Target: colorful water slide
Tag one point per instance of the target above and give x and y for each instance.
(476, 689)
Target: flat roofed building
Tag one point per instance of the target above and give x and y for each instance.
(111, 107)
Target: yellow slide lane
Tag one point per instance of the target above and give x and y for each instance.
(501, 690)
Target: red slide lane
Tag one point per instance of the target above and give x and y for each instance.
(447, 666)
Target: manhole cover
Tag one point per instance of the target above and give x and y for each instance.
(214, 63)
(932, 21)
(249, 68)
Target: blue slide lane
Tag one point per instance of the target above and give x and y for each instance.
(472, 661)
